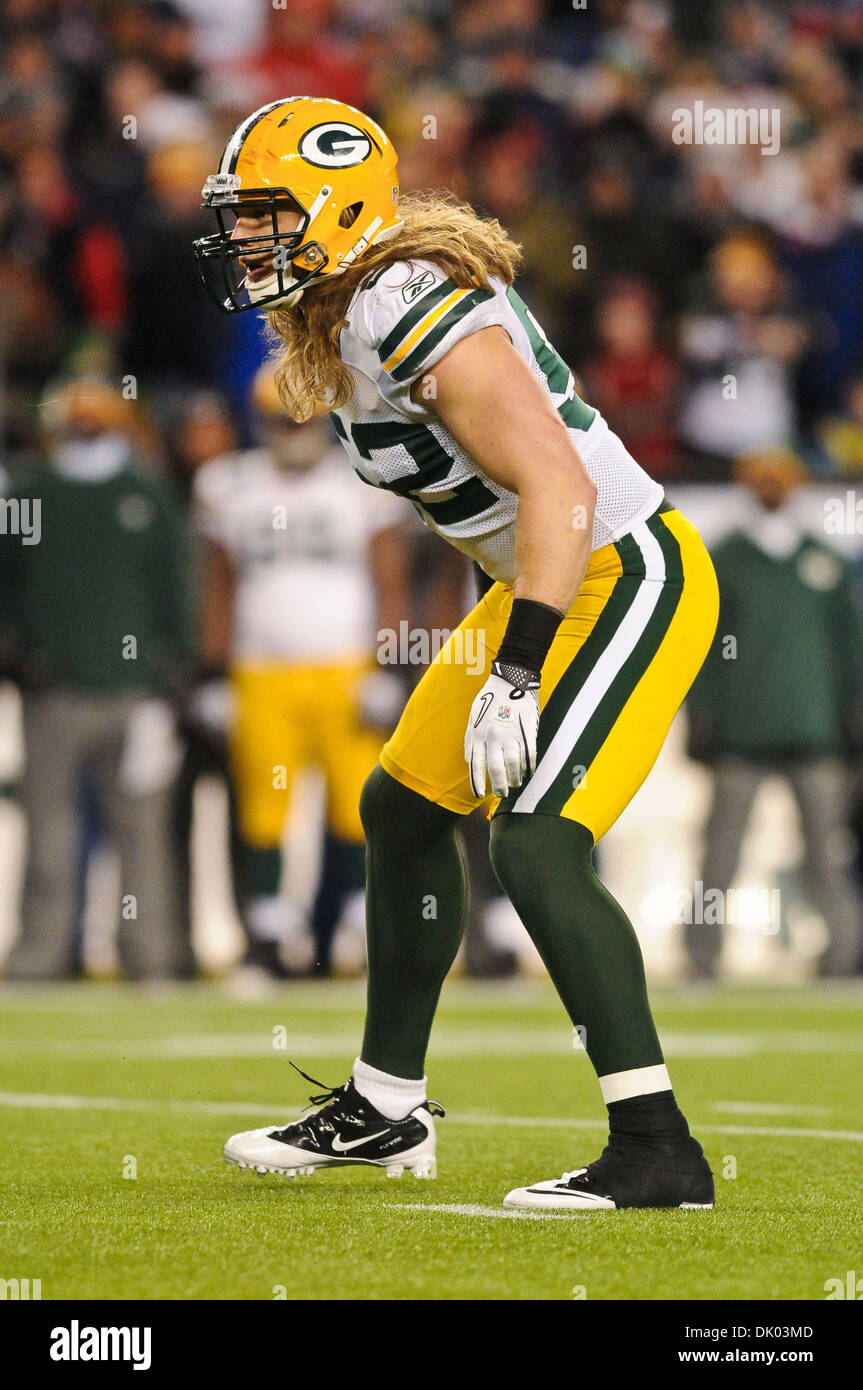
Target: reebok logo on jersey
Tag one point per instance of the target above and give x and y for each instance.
(417, 285)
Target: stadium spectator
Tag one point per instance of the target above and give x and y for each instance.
(741, 348)
(434, 126)
(511, 182)
(407, 66)
(164, 348)
(781, 693)
(632, 379)
(823, 253)
(621, 238)
(302, 52)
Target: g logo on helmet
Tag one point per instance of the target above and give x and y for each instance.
(335, 145)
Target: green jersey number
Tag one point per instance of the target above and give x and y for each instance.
(433, 463)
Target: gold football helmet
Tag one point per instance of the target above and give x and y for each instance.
(325, 161)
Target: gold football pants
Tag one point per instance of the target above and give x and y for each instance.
(618, 670)
(289, 717)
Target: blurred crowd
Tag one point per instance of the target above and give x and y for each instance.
(658, 268)
(678, 280)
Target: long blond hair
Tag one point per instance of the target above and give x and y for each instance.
(470, 249)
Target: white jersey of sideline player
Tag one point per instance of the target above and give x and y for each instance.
(299, 543)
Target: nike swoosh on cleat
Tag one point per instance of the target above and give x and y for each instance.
(341, 1147)
(572, 1192)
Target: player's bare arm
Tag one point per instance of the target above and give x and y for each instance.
(493, 404)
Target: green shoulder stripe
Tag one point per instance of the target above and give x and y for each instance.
(576, 414)
(443, 326)
(418, 310)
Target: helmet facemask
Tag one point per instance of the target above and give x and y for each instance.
(219, 256)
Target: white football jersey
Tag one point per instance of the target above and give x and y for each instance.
(300, 550)
(402, 321)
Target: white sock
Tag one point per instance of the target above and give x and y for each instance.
(394, 1096)
(641, 1081)
(273, 918)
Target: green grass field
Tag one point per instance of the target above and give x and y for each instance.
(100, 1081)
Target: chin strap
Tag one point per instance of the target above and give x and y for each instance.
(267, 287)
(390, 231)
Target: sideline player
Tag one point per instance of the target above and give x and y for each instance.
(296, 587)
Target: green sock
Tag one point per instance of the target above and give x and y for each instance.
(587, 942)
(415, 903)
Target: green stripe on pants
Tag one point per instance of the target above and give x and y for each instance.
(604, 717)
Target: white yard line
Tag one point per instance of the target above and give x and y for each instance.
(475, 1209)
(853, 1136)
(37, 1101)
(455, 1042)
(447, 1041)
(755, 1107)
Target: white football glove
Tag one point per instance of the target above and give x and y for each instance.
(501, 730)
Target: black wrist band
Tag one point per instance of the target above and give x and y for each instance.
(529, 634)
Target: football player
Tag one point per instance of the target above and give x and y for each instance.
(296, 586)
(400, 315)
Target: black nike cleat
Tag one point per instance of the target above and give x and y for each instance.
(627, 1175)
(347, 1129)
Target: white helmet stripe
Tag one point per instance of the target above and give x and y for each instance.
(240, 135)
